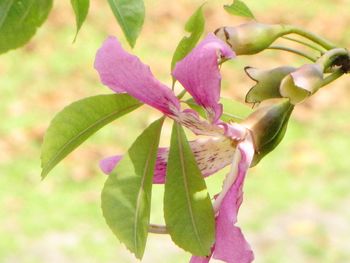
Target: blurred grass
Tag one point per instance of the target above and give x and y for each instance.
(296, 206)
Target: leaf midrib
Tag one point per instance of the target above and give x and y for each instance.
(122, 21)
(57, 156)
(186, 188)
(7, 8)
(137, 210)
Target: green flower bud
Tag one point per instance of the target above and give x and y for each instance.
(268, 125)
(302, 83)
(250, 38)
(268, 83)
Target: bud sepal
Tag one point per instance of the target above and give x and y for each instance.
(302, 83)
(251, 38)
(268, 83)
(268, 125)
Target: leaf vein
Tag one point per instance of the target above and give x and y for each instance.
(95, 124)
(190, 209)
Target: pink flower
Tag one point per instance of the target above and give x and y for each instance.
(228, 144)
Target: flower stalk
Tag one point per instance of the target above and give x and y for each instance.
(297, 52)
(321, 50)
(311, 36)
(157, 229)
(328, 58)
(332, 77)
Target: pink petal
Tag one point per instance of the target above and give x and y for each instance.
(234, 131)
(191, 120)
(107, 165)
(211, 154)
(231, 245)
(199, 73)
(123, 72)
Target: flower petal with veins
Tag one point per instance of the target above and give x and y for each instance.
(191, 120)
(211, 155)
(199, 73)
(123, 72)
(230, 245)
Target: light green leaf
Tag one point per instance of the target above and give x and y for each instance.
(77, 122)
(81, 9)
(188, 211)
(19, 21)
(232, 110)
(126, 196)
(239, 8)
(195, 26)
(130, 15)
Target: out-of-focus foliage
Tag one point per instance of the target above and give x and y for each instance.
(19, 21)
(81, 9)
(232, 110)
(130, 15)
(195, 26)
(239, 8)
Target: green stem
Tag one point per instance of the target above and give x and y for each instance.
(305, 44)
(311, 36)
(328, 58)
(173, 84)
(332, 77)
(181, 94)
(293, 51)
(157, 229)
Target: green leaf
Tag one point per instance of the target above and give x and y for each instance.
(19, 21)
(81, 8)
(77, 122)
(232, 110)
(239, 8)
(130, 15)
(126, 196)
(195, 26)
(188, 211)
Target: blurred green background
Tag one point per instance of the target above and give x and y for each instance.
(296, 204)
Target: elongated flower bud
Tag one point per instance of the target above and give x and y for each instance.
(250, 38)
(268, 83)
(268, 125)
(302, 83)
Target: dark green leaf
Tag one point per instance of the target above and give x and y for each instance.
(188, 211)
(195, 26)
(232, 110)
(19, 21)
(130, 15)
(239, 8)
(77, 122)
(81, 8)
(126, 196)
